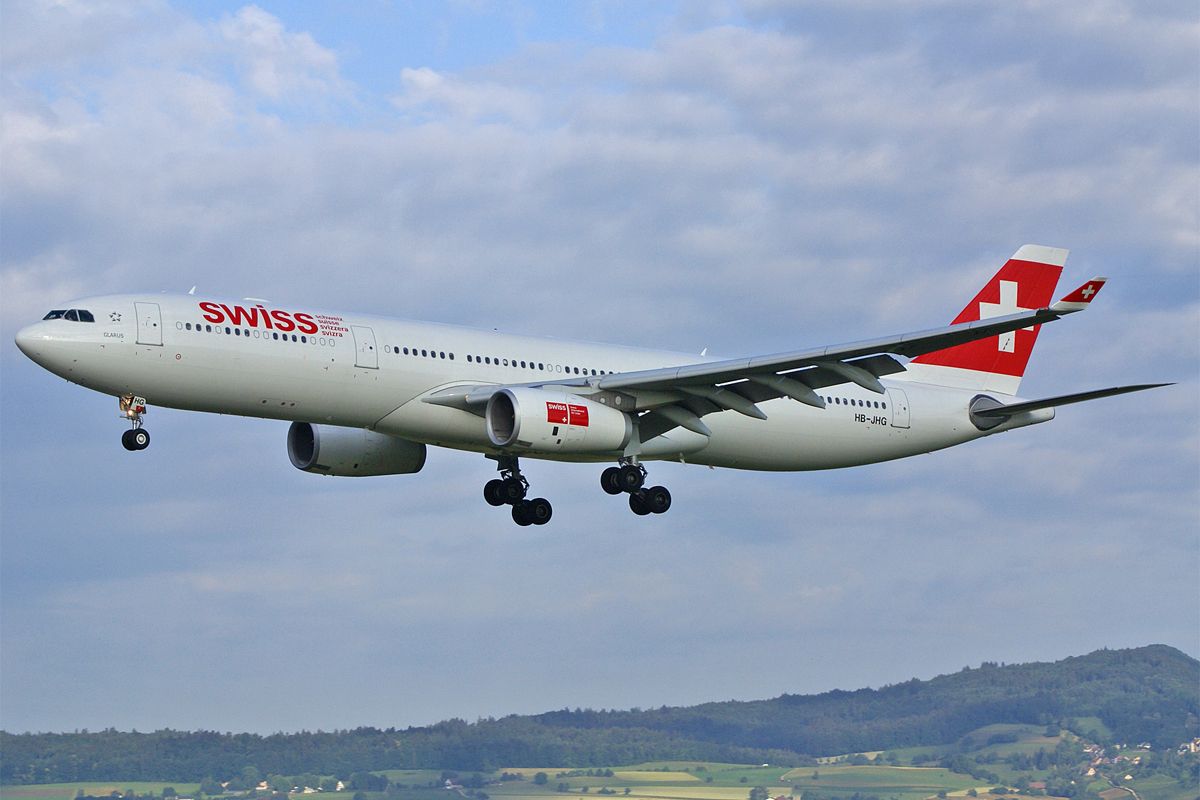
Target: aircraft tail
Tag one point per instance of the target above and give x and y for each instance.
(996, 364)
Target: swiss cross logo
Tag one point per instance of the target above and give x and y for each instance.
(1088, 291)
(556, 413)
(1007, 305)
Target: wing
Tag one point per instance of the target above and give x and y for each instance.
(679, 396)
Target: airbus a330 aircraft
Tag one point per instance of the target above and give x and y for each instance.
(367, 395)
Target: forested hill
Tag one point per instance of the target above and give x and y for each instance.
(1150, 694)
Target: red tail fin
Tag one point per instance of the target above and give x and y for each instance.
(1026, 281)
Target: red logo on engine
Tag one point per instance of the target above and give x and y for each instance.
(557, 414)
(578, 415)
(567, 414)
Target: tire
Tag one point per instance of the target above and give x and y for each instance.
(127, 440)
(539, 510)
(493, 492)
(630, 478)
(520, 514)
(513, 490)
(637, 504)
(140, 438)
(657, 499)
(610, 480)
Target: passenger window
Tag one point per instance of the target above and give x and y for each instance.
(442, 354)
(187, 326)
(57, 314)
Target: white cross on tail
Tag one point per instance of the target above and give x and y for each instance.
(1007, 305)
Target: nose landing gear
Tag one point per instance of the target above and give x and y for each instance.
(132, 409)
(630, 478)
(510, 489)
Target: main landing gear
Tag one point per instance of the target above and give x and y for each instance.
(510, 489)
(132, 409)
(630, 478)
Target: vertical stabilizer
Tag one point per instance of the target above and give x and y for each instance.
(996, 364)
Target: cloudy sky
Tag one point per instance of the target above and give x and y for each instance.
(746, 177)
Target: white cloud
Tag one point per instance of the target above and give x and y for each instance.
(426, 90)
(279, 64)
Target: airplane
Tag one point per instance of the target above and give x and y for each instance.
(368, 395)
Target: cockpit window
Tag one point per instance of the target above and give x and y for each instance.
(71, 315)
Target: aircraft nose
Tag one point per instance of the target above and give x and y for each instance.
(26, 339)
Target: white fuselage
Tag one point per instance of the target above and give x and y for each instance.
(360, 371)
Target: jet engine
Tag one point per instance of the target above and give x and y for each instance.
(331, 450)
(555, 422)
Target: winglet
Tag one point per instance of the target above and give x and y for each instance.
(1079, 299)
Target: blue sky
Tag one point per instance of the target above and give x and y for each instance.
(744, 177)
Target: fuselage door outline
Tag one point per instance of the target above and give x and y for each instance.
(899, 402)
(365, 353)
(149, 323)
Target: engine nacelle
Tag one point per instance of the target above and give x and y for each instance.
(555, 422)
(330, 450)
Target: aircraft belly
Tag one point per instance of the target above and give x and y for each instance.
(800, 437)
(434, 424)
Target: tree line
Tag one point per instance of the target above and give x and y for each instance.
(1147, 694)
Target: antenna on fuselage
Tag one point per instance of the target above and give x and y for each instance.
(192, 290)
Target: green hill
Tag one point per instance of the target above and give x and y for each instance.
(1149, 694)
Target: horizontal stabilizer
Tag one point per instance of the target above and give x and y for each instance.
(1079, 299)
(1005, 411)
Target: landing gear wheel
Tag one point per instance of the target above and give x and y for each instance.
(493, 492)
(520, 514)
(657, 499)
(630, 478)
(637, 504)
(538, 510)
(135, 439)
(512, 490)
(610, 480)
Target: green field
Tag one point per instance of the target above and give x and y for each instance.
(902, 782)
(67, 791)
(671, 781)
